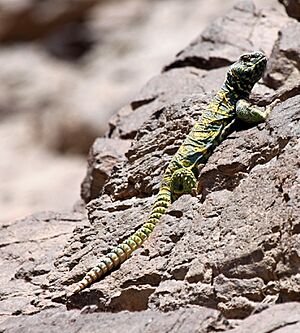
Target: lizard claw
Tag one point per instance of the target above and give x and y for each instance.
(194, 192)
(272, 106)
(274, 103)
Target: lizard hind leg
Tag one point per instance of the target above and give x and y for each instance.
(183, 181)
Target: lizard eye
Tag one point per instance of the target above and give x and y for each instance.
(245, 57)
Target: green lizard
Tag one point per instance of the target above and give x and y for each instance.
(230, 103)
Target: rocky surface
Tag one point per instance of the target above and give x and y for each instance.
(191, 320)
(281, 318)
(104, 155)
(214, 47)
(230, 253)
(28, 249)
(284, 66)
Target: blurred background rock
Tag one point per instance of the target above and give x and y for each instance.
(66, 66)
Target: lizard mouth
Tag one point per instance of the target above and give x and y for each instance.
(262, 60)
(260, 64)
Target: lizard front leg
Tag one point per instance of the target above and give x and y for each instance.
(252, 114)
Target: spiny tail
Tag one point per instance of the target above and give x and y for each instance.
(123, 251)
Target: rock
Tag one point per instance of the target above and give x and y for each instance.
(104, 154)
(28, 248)
(214, 47)
(195, 319)
(284, 64)
(126, 123)
(281, 318)
(292, 7)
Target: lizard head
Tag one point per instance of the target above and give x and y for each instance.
(244, 73)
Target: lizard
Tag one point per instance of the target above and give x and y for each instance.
(217, 120)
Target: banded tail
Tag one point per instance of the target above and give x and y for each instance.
(123, 251)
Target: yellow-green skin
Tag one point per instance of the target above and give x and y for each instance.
(183, 170)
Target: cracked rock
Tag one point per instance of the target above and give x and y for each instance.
(284, 64)
(103, 156)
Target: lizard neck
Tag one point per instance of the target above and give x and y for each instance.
(225, 100)
(232, 93)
